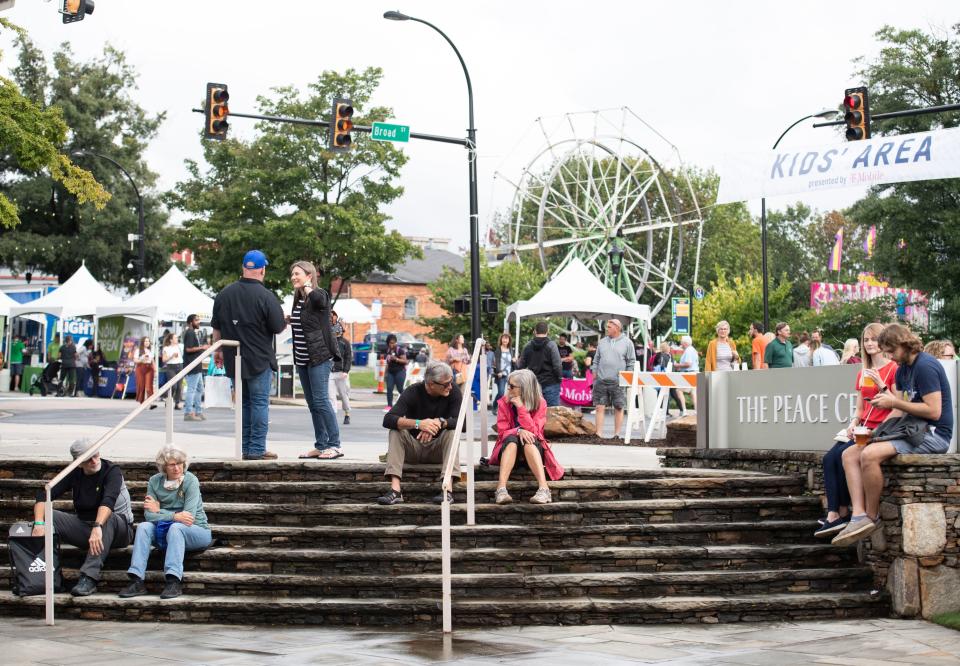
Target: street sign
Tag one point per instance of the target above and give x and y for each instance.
(680, 315)
(699, 293)
(388, 132)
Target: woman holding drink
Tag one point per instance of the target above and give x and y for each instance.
(876, 376)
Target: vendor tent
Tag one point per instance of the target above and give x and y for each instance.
(352, 311)
(576, 292)
(171, 298)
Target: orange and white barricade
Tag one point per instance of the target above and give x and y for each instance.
(381, 375)
(414, 374)
(652, 380)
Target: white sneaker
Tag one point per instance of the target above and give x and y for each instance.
(503, 497)
(542, 496)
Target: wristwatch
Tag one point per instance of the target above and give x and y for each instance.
(98, 524)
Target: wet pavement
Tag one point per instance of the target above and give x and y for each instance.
(852, 642)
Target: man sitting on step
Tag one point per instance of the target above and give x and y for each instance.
(422, 427)
(103, 520)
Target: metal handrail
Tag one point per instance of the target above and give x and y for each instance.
(106, 437)
(465, 415)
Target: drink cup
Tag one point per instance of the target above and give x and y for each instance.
(867, 381)
(861, 435)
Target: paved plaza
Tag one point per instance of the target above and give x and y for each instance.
(852, 643)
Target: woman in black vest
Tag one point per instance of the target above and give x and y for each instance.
(314, 351)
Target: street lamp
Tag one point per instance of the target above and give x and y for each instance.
(472, 167)
(826, 113)
(141, 231)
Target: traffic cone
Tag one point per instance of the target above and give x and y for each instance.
(381, 373)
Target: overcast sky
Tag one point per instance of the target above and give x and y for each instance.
(712, 77)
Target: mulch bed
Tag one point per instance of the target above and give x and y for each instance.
(593, 439)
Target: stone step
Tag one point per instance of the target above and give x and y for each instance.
(516, 586)
(303, 470)
(579, 490)
(466, 613)
(720, 509)
(625, 559)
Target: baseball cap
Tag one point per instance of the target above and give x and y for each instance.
(255, 259)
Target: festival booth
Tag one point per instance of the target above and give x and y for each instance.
(5, 304)
(578, 293)
(76, 299)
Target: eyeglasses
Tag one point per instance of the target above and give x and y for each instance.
(174, 464)
(516, 386)
(448, 384)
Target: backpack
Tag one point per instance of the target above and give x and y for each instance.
(27, 564)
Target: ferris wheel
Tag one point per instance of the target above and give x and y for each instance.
(594, 190)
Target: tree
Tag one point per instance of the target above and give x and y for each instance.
(66, 220)
(32, 134)
(841, 320)
(509, 282)
(739, 301)
(918, 223)
(285, 193)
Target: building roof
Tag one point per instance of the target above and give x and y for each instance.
(419, 271)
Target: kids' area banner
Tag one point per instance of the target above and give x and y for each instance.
(911, 303)
(894, 159)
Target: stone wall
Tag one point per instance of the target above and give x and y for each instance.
(916, 557)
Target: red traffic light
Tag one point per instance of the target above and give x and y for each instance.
(857, 116)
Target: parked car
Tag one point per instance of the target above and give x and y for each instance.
(414, 347)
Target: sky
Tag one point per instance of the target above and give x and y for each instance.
(713, 78)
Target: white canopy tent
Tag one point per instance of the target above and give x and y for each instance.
(171, 298)
(576, 292)
(79, 296)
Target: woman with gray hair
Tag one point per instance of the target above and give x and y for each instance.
(521, 416)
(175, 522)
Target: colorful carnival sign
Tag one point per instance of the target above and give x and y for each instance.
(892, 159)
(911, 303)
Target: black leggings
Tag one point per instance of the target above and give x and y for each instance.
(834, 478)
(521, 459)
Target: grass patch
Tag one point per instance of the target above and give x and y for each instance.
(363, 379)
(949, 620)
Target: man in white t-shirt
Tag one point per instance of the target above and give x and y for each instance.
(689, 362)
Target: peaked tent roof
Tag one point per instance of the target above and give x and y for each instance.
(576, 292)
(171, 298)
(80, 296)
(6, 303)
(349, 310)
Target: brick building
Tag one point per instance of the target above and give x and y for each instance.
(404, 295)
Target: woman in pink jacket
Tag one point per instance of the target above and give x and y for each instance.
(521, 416)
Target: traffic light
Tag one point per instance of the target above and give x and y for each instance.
(341, 123)
(75, 10)
(857, 113)
(215, 112)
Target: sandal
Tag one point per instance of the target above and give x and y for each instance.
(330, 454)
(312, 453)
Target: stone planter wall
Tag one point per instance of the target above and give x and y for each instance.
(916, 557)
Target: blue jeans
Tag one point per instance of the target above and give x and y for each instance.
(315, 380)
(255, 403)
(501, 391)
(834, 478)
(193, 394)
(180, 539)
(396, 380)
(551, 394)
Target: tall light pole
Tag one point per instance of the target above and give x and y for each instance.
(141, 230)
(472, 166)
(826, 113)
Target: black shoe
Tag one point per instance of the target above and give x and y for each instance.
(173, 588)
(153, 406)
(832, 527)
(438, 498)
(136, 588)
(390, 497)
(346, 419)
(177, 407)
(85, 586)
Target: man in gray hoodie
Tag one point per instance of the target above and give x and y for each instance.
(614, 353)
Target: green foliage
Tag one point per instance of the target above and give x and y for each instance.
(63, 213)
(286, 194)
(509, 282)
(740, 302)
(841, 320)
(916, 69)
(31, 136)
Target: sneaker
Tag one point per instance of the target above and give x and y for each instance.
(390, 497)
(438, 498)
(346, 419)
(85, 586)
(201, 416)
(266, 455)
(387, 409)
(191, 417)
(383, 457)
(542, 496)
(173, 588)
(502, 496)
(857, 529)
(832, 527)
(136, 588)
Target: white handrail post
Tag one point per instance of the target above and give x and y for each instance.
(484, 404)
(238, 407)
(471, 517)
(168, 412)
(445, 565)
(48, 558)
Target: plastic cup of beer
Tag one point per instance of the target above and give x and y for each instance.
(861, 435)
(866, 381)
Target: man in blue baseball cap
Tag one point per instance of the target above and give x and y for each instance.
(250, 313)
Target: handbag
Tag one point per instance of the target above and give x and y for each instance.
(160, 533)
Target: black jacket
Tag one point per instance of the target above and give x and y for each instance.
(317, 329)
(345, 361)
(90, 492)
(542, 357)
(249, 312)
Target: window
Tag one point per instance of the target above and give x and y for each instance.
(410, 308)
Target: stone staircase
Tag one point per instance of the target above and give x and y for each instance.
(304, 543)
